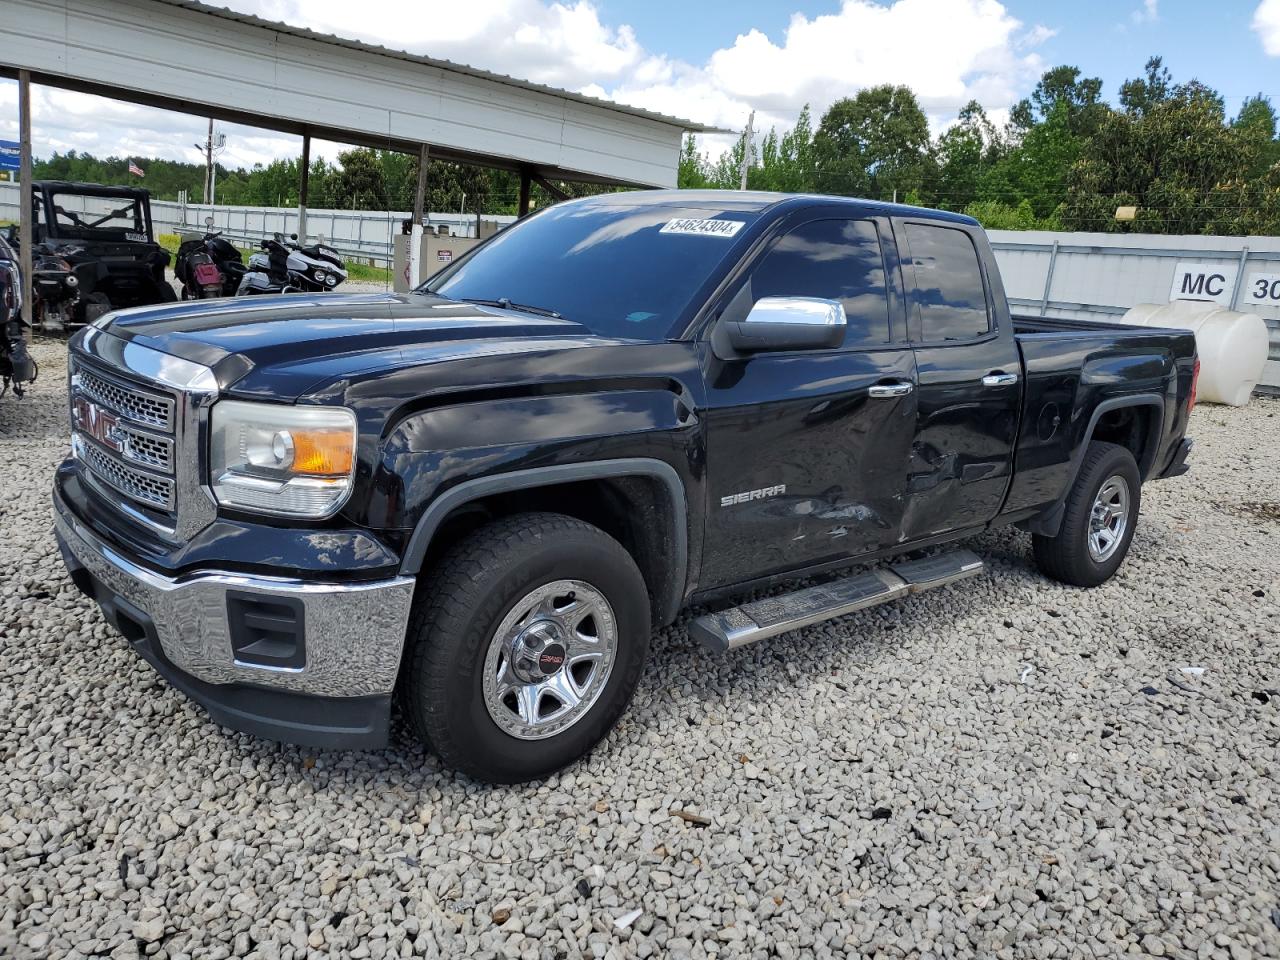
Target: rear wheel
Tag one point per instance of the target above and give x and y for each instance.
(1099, 521)
(525, 645)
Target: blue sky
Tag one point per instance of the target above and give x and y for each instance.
(1211, 41)
(715, 61)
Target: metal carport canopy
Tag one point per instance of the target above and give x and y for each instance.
(195, 58)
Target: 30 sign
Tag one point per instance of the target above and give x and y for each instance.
(1262, 288)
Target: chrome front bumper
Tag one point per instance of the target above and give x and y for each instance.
(353, 634)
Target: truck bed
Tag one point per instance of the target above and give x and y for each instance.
(1026, 324)
(1074, 368)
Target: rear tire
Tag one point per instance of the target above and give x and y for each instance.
(1099, 521)
(542, 582)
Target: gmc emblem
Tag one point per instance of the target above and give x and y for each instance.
(92, 420)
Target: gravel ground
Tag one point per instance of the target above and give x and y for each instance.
(1005, 768)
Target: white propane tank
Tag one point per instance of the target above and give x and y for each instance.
(1232, 346)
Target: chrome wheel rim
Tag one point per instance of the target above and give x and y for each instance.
(1109, 519)
(550, 659)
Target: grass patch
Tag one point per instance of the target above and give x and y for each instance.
(368, 274)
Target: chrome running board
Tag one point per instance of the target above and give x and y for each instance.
(762, 619)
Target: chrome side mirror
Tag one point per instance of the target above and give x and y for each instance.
(787, 323)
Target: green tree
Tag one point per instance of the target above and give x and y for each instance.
(1256, 123)
(964, 153)
(726, 172)
(786, 162)
(1077, 98)
(1155, 86)
(1257, 117)
(692, 173)
(872, 144)
(360, 184)
(1172, 156)
(1036, 171)
(994, 215)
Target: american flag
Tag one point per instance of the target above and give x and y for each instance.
(135, 169)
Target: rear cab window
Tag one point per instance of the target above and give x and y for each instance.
(832, 259)
(948, 296)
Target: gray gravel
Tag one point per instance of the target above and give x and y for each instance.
(975, 772)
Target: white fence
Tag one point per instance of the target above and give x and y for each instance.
(1102, 275)
(363, 234)
(1083, 275)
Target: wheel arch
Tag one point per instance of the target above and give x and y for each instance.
(654, 528)
(1151, 405)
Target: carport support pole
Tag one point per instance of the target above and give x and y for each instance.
(415, 231)
(26, 229)
(302, 188)
(523, 210)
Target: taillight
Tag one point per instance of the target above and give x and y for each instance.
(1195, 379)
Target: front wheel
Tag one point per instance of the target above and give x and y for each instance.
(525, 645)
(1098, 523)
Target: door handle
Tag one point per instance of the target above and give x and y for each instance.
(884, 391)
(999, 379)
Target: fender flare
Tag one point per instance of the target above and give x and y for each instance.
(1049, 522)
(467, 491)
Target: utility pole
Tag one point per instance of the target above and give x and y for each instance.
(208, 165)
(210, 147)
(26, 228)
(746, 150)
(416, 266)
(302, 188)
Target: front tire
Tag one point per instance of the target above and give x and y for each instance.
(1098, 523)
(525, 645)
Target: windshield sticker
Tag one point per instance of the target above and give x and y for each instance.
(707, 228)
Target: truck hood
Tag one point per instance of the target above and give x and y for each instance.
(282, 347)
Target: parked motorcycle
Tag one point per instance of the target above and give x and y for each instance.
(208, 266)
(286, 267)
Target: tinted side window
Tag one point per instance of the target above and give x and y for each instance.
(948, 297)
(834, 260)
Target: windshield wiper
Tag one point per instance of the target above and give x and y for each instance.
(506, 304)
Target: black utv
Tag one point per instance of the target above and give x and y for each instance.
(94, 251)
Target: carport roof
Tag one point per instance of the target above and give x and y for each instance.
(194, 58)
(688, 126)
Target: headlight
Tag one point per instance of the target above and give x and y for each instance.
(289, 461)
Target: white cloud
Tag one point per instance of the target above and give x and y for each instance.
(947, 51)
(1266, 22)
(1036, 36)
(1147, 13)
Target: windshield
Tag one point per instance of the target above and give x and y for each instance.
(82, 217)
(623, 269)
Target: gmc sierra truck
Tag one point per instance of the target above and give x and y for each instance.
(481, 497)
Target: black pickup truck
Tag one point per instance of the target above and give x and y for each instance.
(481, 497)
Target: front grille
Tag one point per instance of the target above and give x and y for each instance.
(144, 487)
(125, 437)
(133, 403)
(147, 449)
